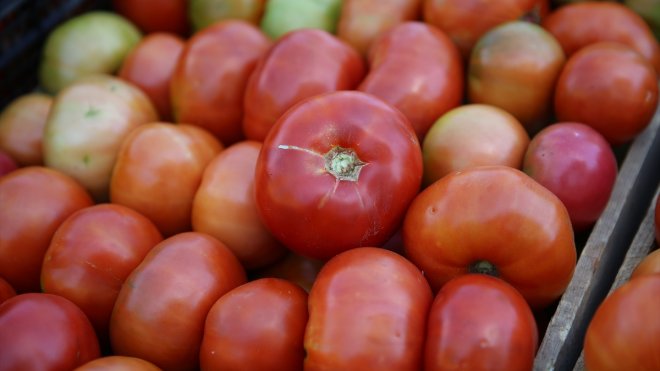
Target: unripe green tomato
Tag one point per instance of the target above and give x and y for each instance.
(282, 16)
(203, 13)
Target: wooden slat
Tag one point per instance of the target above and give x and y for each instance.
(603, 252)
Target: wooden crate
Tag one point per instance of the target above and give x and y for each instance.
(604, 252)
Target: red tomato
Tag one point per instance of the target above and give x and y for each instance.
(256, 326)
(295, 268)
(578, 25)
(515, 67)
(416, 68)
(155, 15)
(578, 165)
(158, 170)
(224, 206)
(609, 87)
(367, 310)
(160, 311)
(6, 291)
(301, 64)
(7, 163)
(477, 321)
(624, 333)
(22, 128)
(496, 220)
(362, 21)
(465, 21)
(150, 66)
(92, 253)
(211, 76)
(336, 172)
(118, 363)
(649, 265)
(44, 332)
(35, 201)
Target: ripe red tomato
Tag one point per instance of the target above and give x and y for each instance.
(496, 220)
(299, 65)
(160, 311)
(35, 201)
(158, 170)
(416, 68)
(362, 21)
(578, 165)
(155, 15)
(22, 128)
(6, 291)
(624, 333)
(91, 254)
(150, 66)
(259, 325)
(649, 265)
(578, 25)
(367, 310)
(477, 321)
(44, 332)
(336, 172)
(118, 363)
(224, 206)
(609, 87)
(7, 163)
(211, 76)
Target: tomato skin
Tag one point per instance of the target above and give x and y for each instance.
(150, 66)
(155, 16)
(224, 206)
(649, 265)
(160, 311)
(416, 68)
(578, 25)
(609, 87)
(21, 128)
(362, 21)
(295, 180)
(367, 310)
(211, 76)
(118, 363)
(477, 321)
(259, 325)
(496, 214)
(6, 291)
(158, 170)
(50, 196)
(624, 332)
(299, 65)
(44, 332)
(91, 254)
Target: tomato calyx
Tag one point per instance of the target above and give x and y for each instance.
(343, 163)
(483, 267)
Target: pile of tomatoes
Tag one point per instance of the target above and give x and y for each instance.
(280, 184)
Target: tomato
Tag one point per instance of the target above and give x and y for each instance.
(158, 170)
(283, 16)
(476, 322)
(293, 267)
(609, 87)
(465, 21)
(204, 13)
(367, 310)
(578, 165)
(362, 21)
(44, 332)
(87, 124)
(515, 67)
(91, 254)
(211, 76)
(6, 291)
(161, 308)
(35, 201)
(416, 68)
(649, 265)
(91, 43)
(259, 325)
(7, 163)
(118, 363)
(337, 171)
(495, 220)
(302, 64)
(578, 25)
(473, 135)
(150, 66)
(21, 128)
(224, 206)
(624, 332)
(155, 15)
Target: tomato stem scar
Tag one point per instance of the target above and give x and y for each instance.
(483, 267)
(343, 163)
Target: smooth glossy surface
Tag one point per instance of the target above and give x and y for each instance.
(155, 15)
(649, 265)
(22, 128)
(118, 363)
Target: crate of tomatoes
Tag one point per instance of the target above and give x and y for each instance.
(332, 184)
